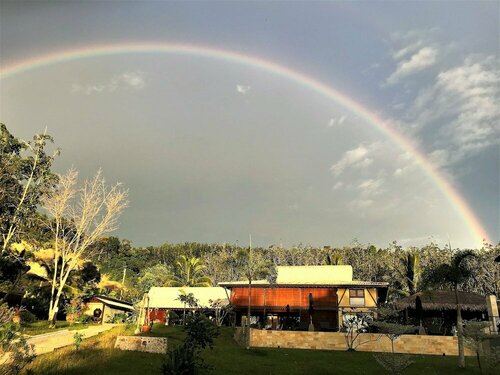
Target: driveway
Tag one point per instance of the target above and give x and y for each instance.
(49, 341)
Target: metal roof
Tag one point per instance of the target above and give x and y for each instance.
(167, 297)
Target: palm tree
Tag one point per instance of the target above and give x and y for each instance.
(411, 271)
(453, 275)
(189, 272)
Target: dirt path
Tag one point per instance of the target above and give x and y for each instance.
(49, 341)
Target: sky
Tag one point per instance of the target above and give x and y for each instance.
(213, 150)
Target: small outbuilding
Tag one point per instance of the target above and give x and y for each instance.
(102, 309)
(437, 309)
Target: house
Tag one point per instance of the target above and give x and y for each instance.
(323, 295)
(163, 301)
(102, 309)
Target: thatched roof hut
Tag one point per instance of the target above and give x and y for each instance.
(444, 300)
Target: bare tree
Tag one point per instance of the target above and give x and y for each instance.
(81, 216)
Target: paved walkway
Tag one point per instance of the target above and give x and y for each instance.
(49, 341)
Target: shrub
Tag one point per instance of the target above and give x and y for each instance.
(201, 332)
(27, 317)
(186, 359)
(77, 340)
(13, 343)
(84, 319)
(182, 360)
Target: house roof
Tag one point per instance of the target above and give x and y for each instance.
(167, 297)
(116, 303)
(444, 300)
(310, 276)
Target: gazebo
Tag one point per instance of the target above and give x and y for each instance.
(437, 309)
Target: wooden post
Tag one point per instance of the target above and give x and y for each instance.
(491, 302)
(265, 301)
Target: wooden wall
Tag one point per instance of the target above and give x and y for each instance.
(280, 297)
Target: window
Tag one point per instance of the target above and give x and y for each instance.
(356, 297)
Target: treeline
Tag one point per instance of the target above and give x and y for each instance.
(405, 269)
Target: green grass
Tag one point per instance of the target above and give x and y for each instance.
(42, 326)
(97, 356)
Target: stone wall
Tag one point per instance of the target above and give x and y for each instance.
(366, 342)
(142, 344)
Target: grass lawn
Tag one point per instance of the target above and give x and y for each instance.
(97, 356)
(42, 326)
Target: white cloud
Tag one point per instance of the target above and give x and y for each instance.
(371, 186)
(133, 79)
(128, 80)
(336, 121)
(461, 109)
(357, 157)
(407, 50)
(338, 185)
(361, 203)
(243, 89)
(422, 59)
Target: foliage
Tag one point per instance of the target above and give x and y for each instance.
(15, 353)
(156, 275)
(189, 272)
(186, 358)
(182, 360)
(392, 330)
(353, 326)
(201, 332)
(77, 340)
(84, 319)
(25, 178)
(74, 306)
(188, 300)
(27, 317)
(119, 318)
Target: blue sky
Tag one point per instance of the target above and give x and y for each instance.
(212, 151)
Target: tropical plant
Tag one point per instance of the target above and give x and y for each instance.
(454, 275)
(189, 272)
(186, 359)
(410, 270)
(77, 340)
(353, 326)
(187, 299)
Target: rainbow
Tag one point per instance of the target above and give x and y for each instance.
(451, 194)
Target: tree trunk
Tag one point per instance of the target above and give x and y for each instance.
(460, 332)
